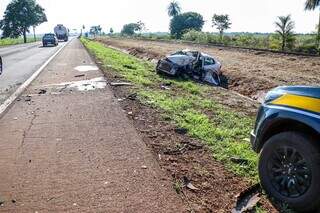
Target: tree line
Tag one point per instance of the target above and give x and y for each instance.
(20, 16)
(183, 23)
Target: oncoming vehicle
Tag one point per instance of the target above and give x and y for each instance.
(287, 136)
(198, 65)
(49, 39)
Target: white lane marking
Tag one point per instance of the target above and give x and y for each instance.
(21, 89)
(86, 68)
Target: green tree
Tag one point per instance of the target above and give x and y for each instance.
(312, 5)
(132, 28)
(95, 30)
(39, 18)
(221, 22)
(174, 9)
(19, 16)
(285, 27)
(111, 30)
(184, 22)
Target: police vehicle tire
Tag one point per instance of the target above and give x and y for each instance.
(289, 170)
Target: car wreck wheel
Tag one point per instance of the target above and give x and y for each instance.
(289, 170)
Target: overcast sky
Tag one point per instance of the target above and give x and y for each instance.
(246, 15)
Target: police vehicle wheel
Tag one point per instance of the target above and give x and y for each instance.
(289, 170)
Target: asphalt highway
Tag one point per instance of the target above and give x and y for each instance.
(19, 63)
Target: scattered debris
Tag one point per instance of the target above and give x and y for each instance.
(239, 160)
(86, 68)
(248, 199)
(177, 151)
(129, 67)
(13, 201)
(130, 113)
(78, 76)
(132, 96)
(27, 98)
(42, 91)
(84, 85)
(164, 87)
(116, 84)
(188, 184)
(15, 118)
(144, 167)
(181, 131)
(292, 59)
(259, 53)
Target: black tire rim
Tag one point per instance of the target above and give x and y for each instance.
(289, 172)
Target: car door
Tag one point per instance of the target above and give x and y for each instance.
(209, 63)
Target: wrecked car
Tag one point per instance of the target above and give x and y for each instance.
(194, 64)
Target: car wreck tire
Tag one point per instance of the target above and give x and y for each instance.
(289, 170)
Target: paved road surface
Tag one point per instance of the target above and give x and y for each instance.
(73, 149)
(20, 62)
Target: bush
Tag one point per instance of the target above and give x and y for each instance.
(196, 36)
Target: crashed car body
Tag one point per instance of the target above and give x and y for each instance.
(192, 63)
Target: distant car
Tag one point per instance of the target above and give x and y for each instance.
(1, 66)
(49, 39)
(196, 64)
(287, 136)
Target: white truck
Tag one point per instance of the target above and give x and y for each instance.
(61, 32)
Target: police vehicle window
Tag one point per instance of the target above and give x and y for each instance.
(209, 61)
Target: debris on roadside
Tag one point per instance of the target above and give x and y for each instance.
(42, 91)
(27, 98)
(164, 87)
(239, 160)
(132, 96)
(2, 202)
(129, 67)
(117, 84)
(181, 131)
(78, 76)
(187, 183)
(248, 199)
(144, 167)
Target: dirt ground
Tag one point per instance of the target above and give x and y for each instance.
(250, 73)
(183, 157)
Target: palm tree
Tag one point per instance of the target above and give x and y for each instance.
(285, 27)
(311, 5)
(174, 9)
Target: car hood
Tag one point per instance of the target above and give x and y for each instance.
(181, 60)
(308, 91)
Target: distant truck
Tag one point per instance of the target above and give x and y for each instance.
(61, 32)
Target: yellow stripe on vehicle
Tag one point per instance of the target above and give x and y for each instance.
(300, 102)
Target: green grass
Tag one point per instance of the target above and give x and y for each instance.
(224, 130)
(13, 41)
